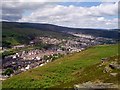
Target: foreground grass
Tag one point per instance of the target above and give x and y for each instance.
(94, 73)
(61, 71)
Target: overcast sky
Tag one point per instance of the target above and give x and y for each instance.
(69, 14)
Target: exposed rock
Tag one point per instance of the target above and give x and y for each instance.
(107, 69)
(104, 59)
(114, 65)
(100, 65)
(114, 74)
(92, 85)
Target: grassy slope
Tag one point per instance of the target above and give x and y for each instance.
(13, 35)
(94, 74)
(61, 71)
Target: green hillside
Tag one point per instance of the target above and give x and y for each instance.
(67, 71)
(14, 34)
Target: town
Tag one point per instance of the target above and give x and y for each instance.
(53, 49)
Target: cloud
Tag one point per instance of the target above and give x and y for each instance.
(70, 16)
(13, 10)
(74, 16)
(105, 9)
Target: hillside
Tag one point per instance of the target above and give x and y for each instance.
(14, 33)
(69, 70)
(111, 33)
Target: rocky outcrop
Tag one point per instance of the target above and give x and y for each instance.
(91, 85)
(113, 74)
(111, 66)
(114, 65)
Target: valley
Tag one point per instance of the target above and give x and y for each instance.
(64, 70)
(51, 58)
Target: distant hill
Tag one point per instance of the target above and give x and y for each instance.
(70, 70)
(18, 33)
(14, 33)
(111, 33)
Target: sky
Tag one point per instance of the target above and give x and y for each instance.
(76, 14)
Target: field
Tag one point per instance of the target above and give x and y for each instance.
(67, 71)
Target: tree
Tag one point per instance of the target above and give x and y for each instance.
(45, 57)
(8, 71)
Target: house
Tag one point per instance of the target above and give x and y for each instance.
(28, 67)
(23, 69)
(18, 46)
(42, 64)
(31, 42)
(0, 48)
(14, 57)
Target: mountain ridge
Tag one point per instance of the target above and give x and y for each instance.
(57, 25)
(111, 33)
(14, 33)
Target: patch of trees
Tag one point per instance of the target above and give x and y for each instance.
(8, 72)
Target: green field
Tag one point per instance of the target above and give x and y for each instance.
(66, 71)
